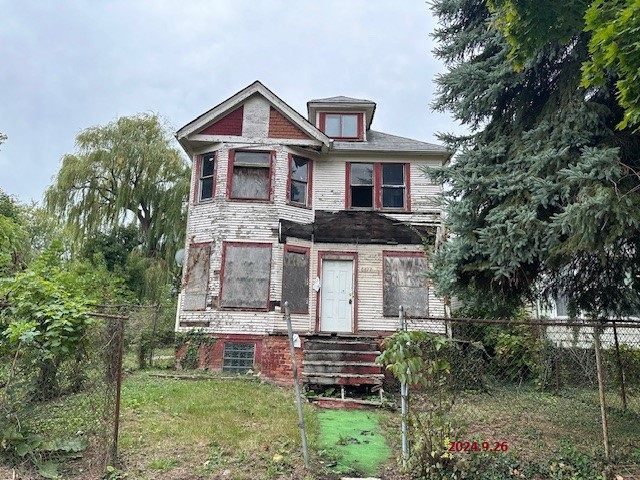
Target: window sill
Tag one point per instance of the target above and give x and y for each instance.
(249, 200)
(243, 309)
(298, 205)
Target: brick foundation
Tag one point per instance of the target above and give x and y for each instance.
(272, 358)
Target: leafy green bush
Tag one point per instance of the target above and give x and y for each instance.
(192, 341)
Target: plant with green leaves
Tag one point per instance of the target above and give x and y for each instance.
(421, 359)
(126, 172)
(609, 26)
(545, 188)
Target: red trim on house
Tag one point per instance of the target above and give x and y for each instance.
(309, 181)
(306, 251)
(347, 187)
(396, 253)
(270, 187)
(359, 120)
(407, 187)
(225, 244)
(338, 255)
(377, 186)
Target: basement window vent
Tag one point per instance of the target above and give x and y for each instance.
(238, 357)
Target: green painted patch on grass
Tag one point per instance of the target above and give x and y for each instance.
(354, 440)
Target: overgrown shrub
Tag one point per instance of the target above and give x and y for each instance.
(191, 342)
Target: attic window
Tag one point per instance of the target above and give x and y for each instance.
(341, 125)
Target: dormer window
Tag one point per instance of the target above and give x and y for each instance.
(342, 126)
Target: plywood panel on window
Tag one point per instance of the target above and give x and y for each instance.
(406, 284)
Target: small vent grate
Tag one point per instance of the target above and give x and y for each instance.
(238, 357)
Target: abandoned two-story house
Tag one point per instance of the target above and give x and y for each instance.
(322, 212)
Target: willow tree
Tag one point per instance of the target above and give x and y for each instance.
(125, 172)
(545, 189)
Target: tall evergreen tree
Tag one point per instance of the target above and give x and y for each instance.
(545, 192)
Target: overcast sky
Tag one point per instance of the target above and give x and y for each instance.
(68, 65)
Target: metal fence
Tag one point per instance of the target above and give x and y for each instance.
(59, 416)
(533, 397)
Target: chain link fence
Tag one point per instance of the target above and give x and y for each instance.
(59, 414)
(530, 399)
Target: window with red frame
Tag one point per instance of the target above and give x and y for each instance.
(246, 273)
(393, 185)
(207, 176)
(251, 175)
(341, 125)
(378, 186)
(299, 181)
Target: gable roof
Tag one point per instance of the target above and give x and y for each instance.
(232, 102)
(385, 142)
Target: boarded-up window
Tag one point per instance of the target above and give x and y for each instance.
(295, 280)
(245, 281)
(196, 277)
(406, 284)
(251, 175)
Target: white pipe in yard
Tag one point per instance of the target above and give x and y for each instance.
(296, 386)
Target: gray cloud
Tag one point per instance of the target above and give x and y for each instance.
(65, 66)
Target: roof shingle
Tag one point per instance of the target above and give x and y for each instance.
(379, 141)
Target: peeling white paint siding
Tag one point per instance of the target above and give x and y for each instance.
(329, 182)
(219, 220)
(255, 120)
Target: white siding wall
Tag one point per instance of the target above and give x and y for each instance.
(221, 220)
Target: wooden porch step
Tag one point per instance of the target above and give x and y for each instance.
(317, 344)
(342, 368)
(343, 378)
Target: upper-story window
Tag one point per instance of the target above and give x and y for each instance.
(344, 126)
(378, 186)
(300, 170)
(207, 182)
(361, 185)
(393, 185)
(249, 175)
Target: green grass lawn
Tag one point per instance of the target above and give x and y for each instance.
(210, 428)
(535, 423)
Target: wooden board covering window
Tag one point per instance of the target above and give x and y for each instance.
(245, 281)
(295, 280)
(196, 278)
(406, 284)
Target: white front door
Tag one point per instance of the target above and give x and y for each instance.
(336, 302)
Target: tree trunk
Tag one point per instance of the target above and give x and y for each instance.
(47, 382)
